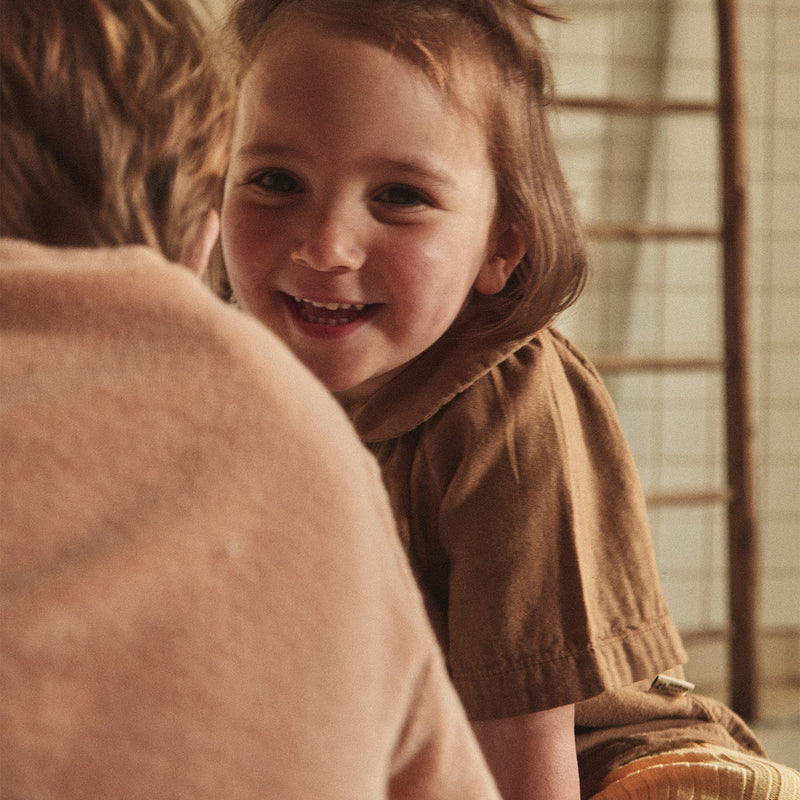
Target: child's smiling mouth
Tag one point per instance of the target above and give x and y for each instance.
(329, 313)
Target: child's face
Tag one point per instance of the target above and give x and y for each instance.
(359, 206)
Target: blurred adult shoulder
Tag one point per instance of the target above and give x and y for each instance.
(200, 579)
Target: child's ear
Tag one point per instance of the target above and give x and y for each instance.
(196, 252)
(508, 250)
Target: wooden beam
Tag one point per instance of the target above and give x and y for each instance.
(616, 364)
(743, 540)
(605, 232)
(622, 105)
(689, 497)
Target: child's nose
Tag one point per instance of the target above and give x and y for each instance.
(330, 241)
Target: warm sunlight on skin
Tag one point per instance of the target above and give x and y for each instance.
(359, 206)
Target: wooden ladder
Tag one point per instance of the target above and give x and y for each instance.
(738, 494)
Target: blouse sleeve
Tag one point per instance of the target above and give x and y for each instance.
(533, 539)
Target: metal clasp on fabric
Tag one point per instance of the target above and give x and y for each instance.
(675, 687)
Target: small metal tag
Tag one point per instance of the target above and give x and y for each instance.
(675, 687)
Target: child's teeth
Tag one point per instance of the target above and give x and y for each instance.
(331, 306)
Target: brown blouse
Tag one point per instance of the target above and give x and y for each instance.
(521, 509)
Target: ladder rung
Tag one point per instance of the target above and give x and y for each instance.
(620, 105)
(688, 498)
(721, 632)
(654, 364)
(638, 232)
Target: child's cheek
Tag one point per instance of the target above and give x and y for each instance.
(243, 239)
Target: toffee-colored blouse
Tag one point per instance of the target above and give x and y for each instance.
(520, 505)
(521, 508)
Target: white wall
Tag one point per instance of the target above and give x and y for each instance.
(665, 299)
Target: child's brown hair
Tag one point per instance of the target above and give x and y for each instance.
(114, 122)
(515, 88)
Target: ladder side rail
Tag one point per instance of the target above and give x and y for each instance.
(742, 531)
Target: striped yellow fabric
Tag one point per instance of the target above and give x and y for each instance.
(701, 772)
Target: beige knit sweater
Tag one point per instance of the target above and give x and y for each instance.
(202, 591)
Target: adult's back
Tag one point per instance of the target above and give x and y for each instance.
(202, 592)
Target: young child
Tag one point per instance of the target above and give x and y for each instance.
(394, 210)
(181, 616)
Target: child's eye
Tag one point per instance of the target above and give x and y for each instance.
(400, 195)
(277, 181)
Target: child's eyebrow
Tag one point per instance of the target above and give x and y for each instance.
(423, 169)
(268, 150)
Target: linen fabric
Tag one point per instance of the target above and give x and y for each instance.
(520, 505)
(619, 728)
(202, 590)
(521, 508)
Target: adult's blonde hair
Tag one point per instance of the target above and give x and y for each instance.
(114, 122)
(514, 84)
